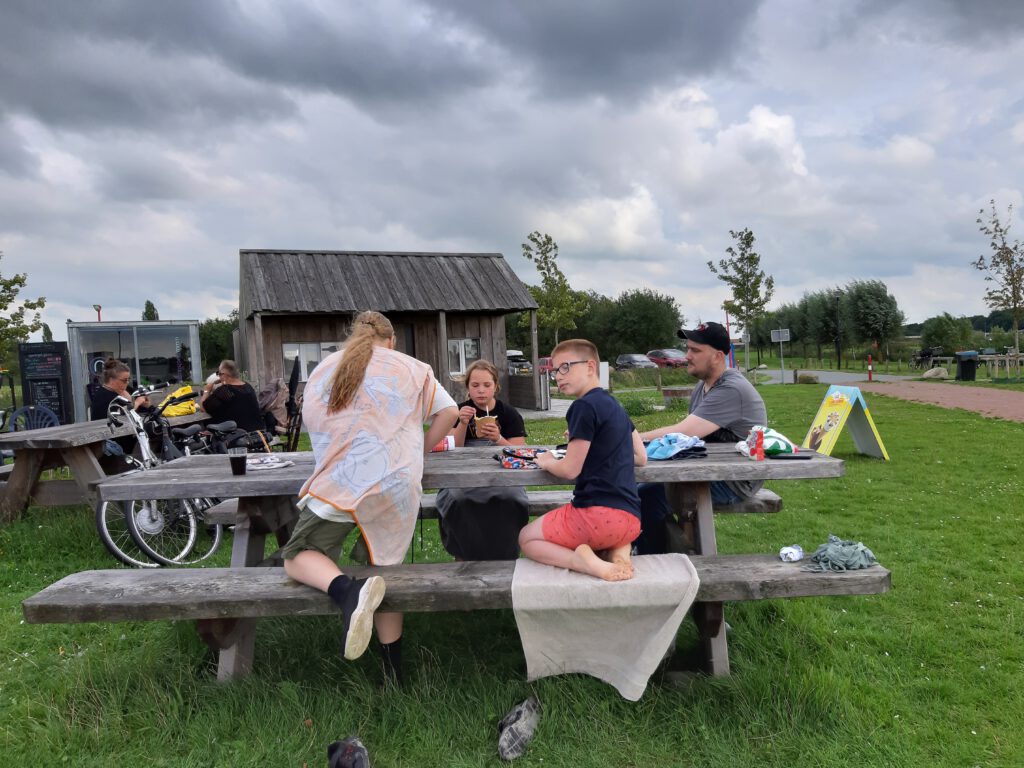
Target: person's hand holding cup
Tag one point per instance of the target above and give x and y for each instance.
(487, 428)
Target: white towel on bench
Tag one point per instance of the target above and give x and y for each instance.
(616, 631)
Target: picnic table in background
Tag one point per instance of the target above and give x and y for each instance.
(75, 446)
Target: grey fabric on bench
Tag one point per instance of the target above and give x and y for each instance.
(231, 593)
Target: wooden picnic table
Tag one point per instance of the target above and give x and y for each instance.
(266, 505)
(76, 446)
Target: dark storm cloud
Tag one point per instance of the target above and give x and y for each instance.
(135, 64)
(609, 47)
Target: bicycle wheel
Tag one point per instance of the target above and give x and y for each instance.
(112, 526)
(208, 536)
(165, 529)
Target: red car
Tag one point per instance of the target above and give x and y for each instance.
(668, 358)
(544, 364)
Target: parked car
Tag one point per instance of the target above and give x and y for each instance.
(633, 360)
(544, 365)
(518, 365)
(668, 358)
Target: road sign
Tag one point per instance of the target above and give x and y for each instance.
(779, 335)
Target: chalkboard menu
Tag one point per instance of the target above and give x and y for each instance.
(46, 377)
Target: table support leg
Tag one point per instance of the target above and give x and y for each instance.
(235, 661)
(17, 489)
(86, 469)
(692, 505)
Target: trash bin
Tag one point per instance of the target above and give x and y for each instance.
(966, 366)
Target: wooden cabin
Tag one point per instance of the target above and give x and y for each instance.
(448, 309)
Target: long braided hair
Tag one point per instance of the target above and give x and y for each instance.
(367, 329)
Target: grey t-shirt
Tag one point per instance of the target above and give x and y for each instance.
(735, 406)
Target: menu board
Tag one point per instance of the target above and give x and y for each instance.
(46, 376)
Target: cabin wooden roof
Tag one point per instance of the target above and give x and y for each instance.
(352, 281)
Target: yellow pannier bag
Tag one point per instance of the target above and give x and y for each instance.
(180, 409)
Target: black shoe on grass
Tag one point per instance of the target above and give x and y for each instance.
(362, 599)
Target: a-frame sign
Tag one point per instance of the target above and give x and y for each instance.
(844, 405)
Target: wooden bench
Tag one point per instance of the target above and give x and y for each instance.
(672, 395)
(765, 501)
(224, 601)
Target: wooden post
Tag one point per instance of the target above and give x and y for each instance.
(443, 375)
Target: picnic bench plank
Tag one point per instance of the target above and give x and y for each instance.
(219, 593)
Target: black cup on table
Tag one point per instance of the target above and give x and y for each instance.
(237, 457)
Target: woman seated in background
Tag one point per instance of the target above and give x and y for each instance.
(116, 378)
(484, 523)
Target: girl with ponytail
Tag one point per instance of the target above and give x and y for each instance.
(364, 407)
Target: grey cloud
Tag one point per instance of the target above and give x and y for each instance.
(975, 23)
(141, 64)
(141, 176)
(606, 47)
(15, 160)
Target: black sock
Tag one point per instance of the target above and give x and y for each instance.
(391, 656)
(338, 589)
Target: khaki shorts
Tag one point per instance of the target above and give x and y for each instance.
(315, 533)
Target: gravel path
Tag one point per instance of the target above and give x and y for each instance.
(997, 403)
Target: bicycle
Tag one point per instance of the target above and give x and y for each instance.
(166, 531)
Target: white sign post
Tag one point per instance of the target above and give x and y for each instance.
(780, 335)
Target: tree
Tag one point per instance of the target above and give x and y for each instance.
(751, 288)
(875, 315)
(149, 312)
(559, 305)
(14, 326)
(215, 339)
(47, 334)
(1004, 267)
(950, 333)
(643, 320)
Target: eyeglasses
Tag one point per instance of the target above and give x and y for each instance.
(563, 369)
(124, 380)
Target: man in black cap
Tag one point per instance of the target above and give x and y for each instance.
(723, 408)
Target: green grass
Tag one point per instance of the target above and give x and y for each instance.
(930, 674)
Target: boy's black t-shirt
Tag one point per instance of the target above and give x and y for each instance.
(607, 478)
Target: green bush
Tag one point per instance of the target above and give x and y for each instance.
(637, 404)
(649, 377)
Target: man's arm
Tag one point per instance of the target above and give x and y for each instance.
(692, 425)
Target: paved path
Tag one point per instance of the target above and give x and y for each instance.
(988, 401)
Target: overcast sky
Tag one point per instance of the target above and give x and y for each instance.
(142, 144)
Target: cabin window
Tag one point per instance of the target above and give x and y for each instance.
(461, 352)
(308, 353)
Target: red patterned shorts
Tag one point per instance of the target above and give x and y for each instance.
(600, 527)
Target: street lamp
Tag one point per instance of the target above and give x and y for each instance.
(97, 307)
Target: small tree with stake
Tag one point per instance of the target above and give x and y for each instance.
(1004, 267)
(751, 288)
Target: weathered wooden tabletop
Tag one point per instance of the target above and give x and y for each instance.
(79, 434)
(461, 468)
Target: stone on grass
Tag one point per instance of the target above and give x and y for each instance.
(935, 373)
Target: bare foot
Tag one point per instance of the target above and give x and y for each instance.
(585, 561)
(620, 556)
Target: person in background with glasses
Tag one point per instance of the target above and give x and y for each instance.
(116, 379)
(594, 532)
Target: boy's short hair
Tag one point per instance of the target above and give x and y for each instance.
(582, 348)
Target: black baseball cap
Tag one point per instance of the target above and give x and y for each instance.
(712, 334)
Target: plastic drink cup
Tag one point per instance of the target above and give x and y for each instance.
(237, 457)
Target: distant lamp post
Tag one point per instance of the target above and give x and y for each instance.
(97, 307)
